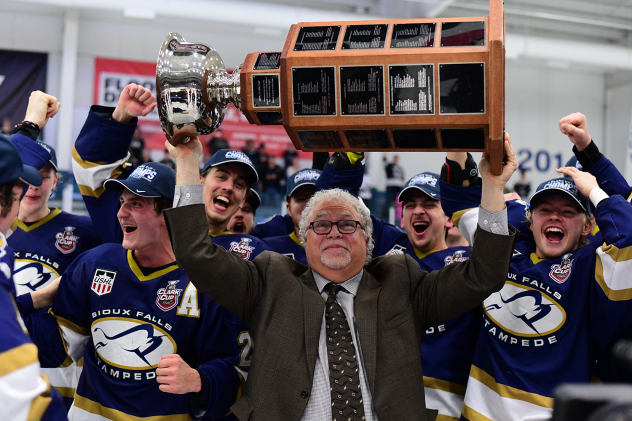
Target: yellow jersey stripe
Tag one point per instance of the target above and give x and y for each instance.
(139, 274)
(473, 415)
(444, 385)
(113, 414)
(17, 358)
(456, 216)
(70, 325)
(508, 391)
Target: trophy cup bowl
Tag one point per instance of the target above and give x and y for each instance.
(193, 89)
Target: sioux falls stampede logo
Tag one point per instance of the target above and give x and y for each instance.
(456, 257)
(243, 248)
(560, 273)
(66, 242)
(168, 297)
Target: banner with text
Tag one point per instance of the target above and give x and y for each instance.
(111, 76)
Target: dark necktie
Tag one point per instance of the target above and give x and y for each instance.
(344, 377)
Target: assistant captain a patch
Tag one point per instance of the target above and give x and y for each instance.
(103, 281)
(168, 297)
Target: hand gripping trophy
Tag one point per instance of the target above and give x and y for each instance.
(406, 85)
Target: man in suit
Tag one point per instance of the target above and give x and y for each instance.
(338, 340)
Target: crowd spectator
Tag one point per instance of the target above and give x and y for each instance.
(7, 127)
(250, 149)
(137, 148)
(289, 156)
(273, 179)
(292, 168)
(523, 186)
(217, 142)
(394, 179)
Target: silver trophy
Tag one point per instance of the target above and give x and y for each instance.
(193, 89)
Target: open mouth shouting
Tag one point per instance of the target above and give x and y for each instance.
(554, 235)
(239, 228)
(420, 227)
(128, 228)
(221, 203)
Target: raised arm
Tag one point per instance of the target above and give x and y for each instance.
(229, 280)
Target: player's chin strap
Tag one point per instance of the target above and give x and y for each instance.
(452, 172)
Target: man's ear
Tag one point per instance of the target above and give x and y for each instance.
(201, 179)
(587, 227)
(448, 223)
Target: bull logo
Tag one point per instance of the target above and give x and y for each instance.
(524, 311)
(131, 344)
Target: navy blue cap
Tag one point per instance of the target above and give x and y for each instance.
(34, 153)
(573, 162)
(151, 179)
(427, 182)
(12, 167)
(561, 186)
(225, 156)
(302, 178)
(254, 199)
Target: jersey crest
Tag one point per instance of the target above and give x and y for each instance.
(66, 241)
(456, 257)
(103, 281)
(560, 273)
(168, 297)
(243, 248)
(397, 249)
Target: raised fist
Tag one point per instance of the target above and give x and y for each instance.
(135, 101)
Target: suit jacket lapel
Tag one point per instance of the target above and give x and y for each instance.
(366, 321)
(313, 309)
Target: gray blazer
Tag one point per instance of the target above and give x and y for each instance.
(277, 296)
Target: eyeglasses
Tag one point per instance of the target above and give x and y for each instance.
(346, 226)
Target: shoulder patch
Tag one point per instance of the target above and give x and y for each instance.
(103, 281)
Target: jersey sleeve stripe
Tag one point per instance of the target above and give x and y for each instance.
(40, 403)
(508, 391)
(96, 408)
(70, 325)
(466, 221)
(612, 272)
(441, 417)
(444, 385)
(17, 358)
(472, 415)
(91, 175)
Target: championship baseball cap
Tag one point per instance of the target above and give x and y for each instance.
(573, 162)
(427, 182)
(254, 199)
(225, 156)
(148, 180)
(12, 168)
(35, 153)
(302, 178)
(561, 186)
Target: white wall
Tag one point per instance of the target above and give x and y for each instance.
(537, 95)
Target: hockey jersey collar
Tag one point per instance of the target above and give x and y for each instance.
(26, 228)
(139, 274)
(295, 238)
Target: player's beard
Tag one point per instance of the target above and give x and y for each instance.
(335, 260)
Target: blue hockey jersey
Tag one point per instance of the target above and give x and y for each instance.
(121, 319)
(274, 226)
(26, 393)
(43, 250)
(551, 320)
(288, 245)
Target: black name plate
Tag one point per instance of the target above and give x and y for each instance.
(312, 38)
(268, 61)
(364, 37)
(413, 35)
(320, 139)
(412, 89)
(265, 91)
(314, 91)
(362, 90)
(462, 34)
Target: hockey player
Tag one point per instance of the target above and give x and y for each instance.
(243, 221)
(139, 324)
(300, 187)
(563, 301)
(25, 394)
(45, 240)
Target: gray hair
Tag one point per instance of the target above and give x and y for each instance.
(344, 197)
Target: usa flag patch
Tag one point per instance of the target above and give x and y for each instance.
(103, 281)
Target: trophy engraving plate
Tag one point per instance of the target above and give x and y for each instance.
(411, 89)
(362, 90)
(314, 91)
(270, 118)
(268, 61)
(320, 139)
(415, 138)
(462, 34)
(311, 38)
(364, 37)
(265, 91)
(377, 139)
(413, 35)
(462, 88)
(463, 138)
